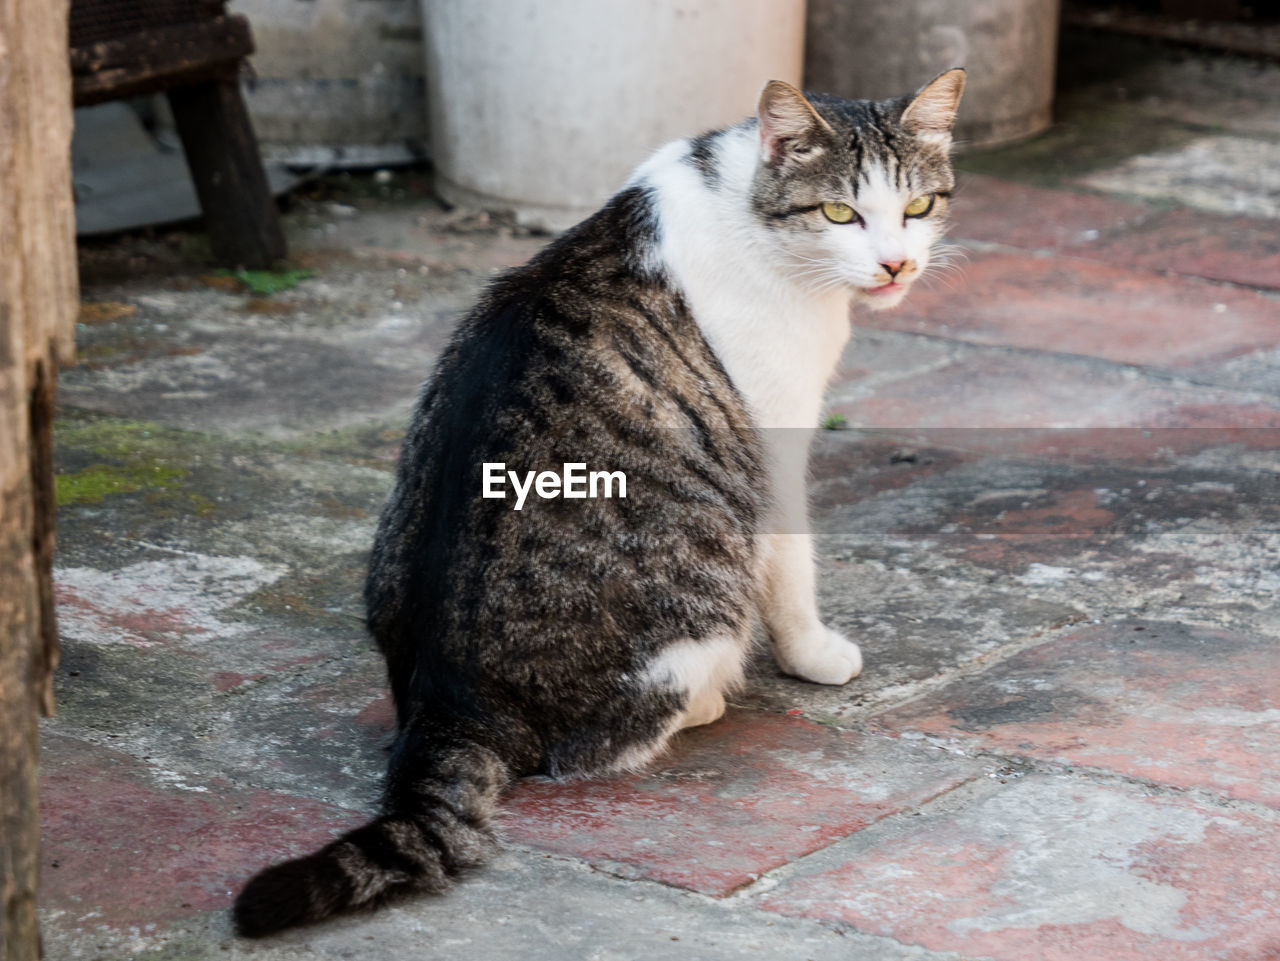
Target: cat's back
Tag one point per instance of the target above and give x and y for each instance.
(589, 336)
(585, 356)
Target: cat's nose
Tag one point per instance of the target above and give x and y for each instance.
(894, 267)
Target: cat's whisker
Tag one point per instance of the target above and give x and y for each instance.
(948, 254)
(954, 270)
(821, 275)
(819, 271)
(950, 276)
(946, 264)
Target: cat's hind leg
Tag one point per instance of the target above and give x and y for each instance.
(697, 673)
(707, 708)
(682, 685)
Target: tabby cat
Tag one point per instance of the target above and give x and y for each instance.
(708, 299)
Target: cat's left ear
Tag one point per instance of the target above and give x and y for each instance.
(789, 126)
(932, 111)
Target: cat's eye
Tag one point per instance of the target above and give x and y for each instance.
(838, 213)
(920, 206)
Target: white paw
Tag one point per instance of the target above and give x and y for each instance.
(823, 656)
(705, 709)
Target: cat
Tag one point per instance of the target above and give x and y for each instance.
(663, 338)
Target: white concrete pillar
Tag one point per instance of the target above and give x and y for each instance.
(874, 49)
(545, 106)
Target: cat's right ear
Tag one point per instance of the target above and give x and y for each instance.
(789, 126)
(932, 111)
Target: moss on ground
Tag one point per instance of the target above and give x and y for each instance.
(369, 445)
(92, 484)
(101, 456)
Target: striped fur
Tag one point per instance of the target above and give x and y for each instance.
(656, 338)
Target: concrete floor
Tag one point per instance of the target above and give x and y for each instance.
(1053, 523)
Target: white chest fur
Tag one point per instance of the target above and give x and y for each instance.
(778, 340)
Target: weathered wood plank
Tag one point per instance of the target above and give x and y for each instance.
(160, 58)
(38, 299)
(222, 153)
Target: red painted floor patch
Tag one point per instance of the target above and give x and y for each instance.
(734, 800)
(1077, 306)
(1242, 250)
(127, 844)
(1172, 703)
(1032, 218)
(1057, 872)
(999, 390)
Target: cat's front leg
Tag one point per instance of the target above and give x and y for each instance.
(803, 645)
(788, 601)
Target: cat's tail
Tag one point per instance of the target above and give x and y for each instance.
(441, 792)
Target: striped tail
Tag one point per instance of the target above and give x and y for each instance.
(442, 791)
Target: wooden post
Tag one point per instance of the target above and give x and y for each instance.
(222, 154)
(38, 303)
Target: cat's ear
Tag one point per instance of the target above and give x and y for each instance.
(932, 111)
(789, 126)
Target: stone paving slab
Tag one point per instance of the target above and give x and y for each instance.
(1001, 388)
(1106, 522)
(735, 800)
(1226, 174)
(175, 494)
(914, 623)
(522, 905)
(1239, 250)
(351, 345)
(996, 211)
(1089, 308)
(128, 843)
(1243, 250)
(1089, 520)
(1168, 702)
(1145, 79)
(308, 730)
(1054, 868)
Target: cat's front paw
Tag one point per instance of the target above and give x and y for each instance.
(824, 657)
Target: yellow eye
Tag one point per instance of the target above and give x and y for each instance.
(920, 206)
(838, 213)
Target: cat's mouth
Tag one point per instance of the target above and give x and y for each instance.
(883, 296)
(884, 290)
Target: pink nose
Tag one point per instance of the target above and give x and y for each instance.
(892, 266)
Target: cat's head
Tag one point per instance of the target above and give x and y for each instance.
(855, 192)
